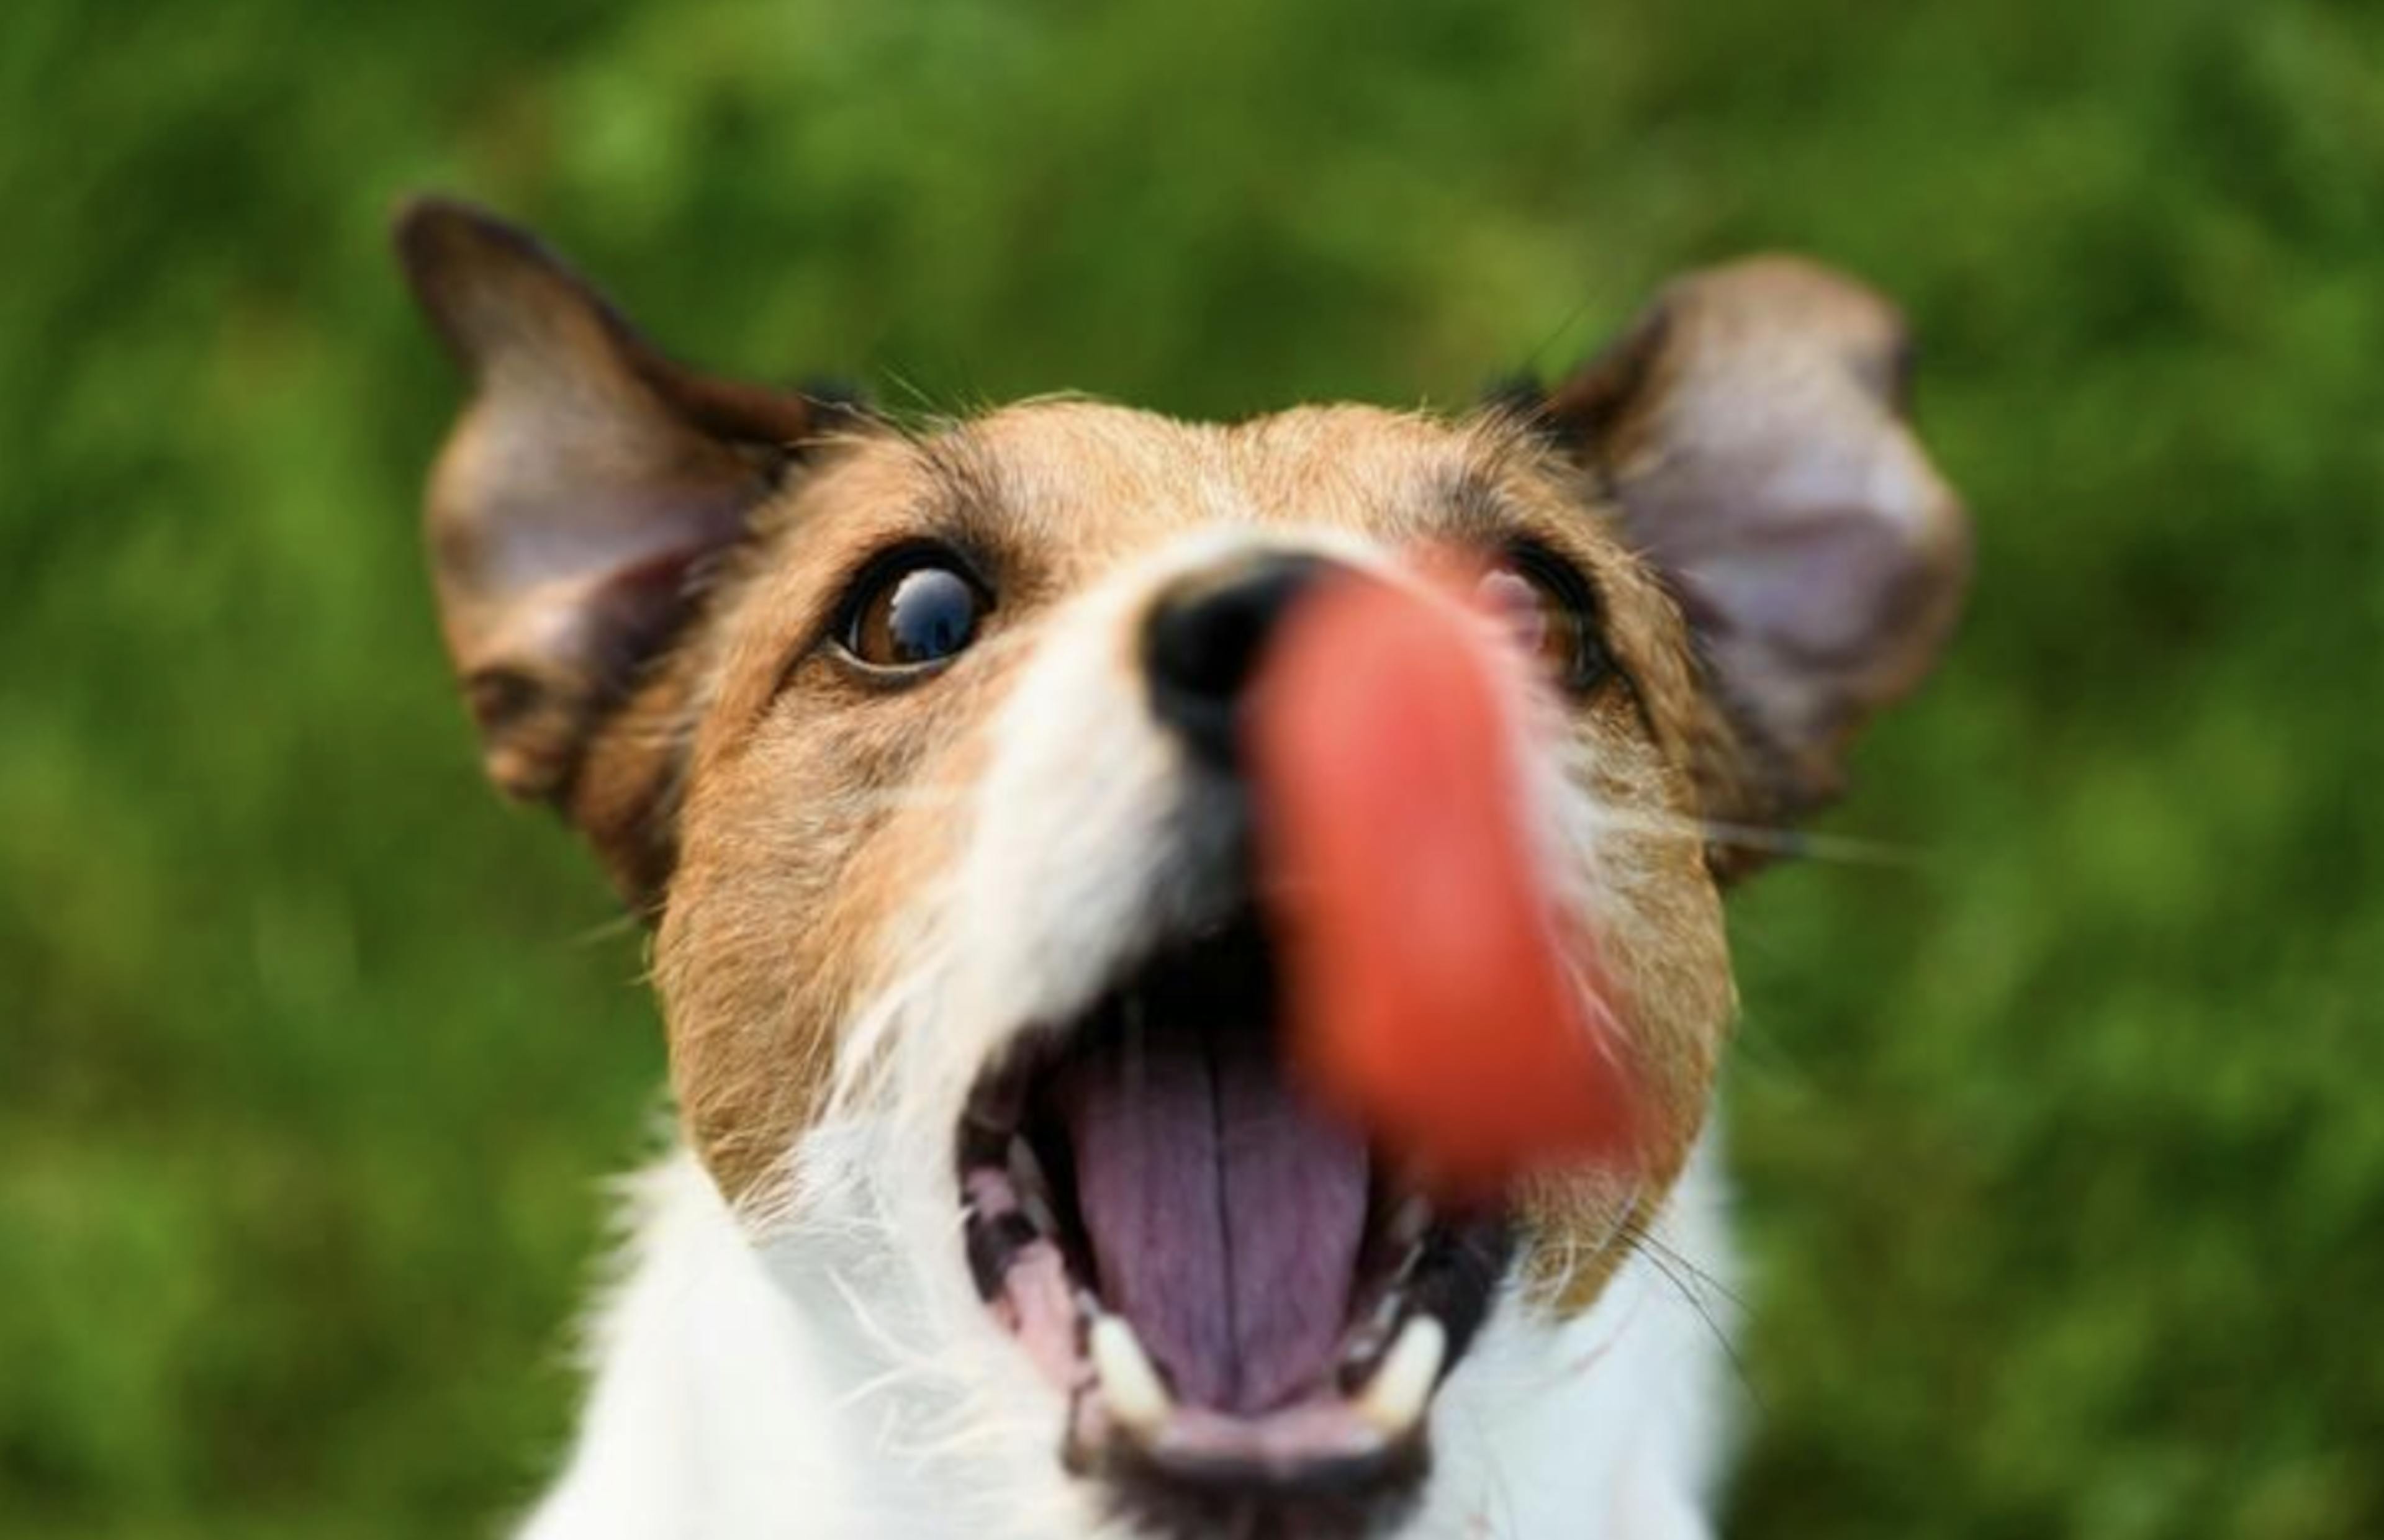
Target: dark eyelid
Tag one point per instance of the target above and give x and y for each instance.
(1542, 562)
(855, 587)
(1537, 559)
(859, 581)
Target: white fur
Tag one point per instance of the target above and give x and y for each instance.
(748, 1393)
(823, 1368)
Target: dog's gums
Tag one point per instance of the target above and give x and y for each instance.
(1248, 1309)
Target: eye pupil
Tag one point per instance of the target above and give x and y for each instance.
(921, 615)
(930, 615)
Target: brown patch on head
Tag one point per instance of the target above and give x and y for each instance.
(819, 804)
(819, 808)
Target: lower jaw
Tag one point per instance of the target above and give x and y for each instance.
(1179, 1491)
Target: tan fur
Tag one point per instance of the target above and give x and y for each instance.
(792, 868)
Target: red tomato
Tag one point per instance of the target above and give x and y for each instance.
(1433, 992)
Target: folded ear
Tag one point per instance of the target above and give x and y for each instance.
(1750, 429)
(581, 495)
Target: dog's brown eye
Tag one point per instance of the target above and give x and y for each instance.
(1549, 607)
(913, 614)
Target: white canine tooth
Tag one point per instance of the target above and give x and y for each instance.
(1394, 1400)
(1137, 1396)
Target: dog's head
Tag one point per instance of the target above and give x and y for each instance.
(916, 744)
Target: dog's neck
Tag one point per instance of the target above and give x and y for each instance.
(745, 1390)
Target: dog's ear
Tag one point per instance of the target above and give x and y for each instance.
(582, 494)
(1750, 429)
(587, 490)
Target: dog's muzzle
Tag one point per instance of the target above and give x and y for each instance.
(1248, 1309)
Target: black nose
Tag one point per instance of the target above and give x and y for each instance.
(1206, 636)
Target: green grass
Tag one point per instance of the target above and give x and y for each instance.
(2062, 1141)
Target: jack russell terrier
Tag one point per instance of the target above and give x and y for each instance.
(995, 1210)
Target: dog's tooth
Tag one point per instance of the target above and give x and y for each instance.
(1131, 1387)
(1394, 1400)
(1410, 1222)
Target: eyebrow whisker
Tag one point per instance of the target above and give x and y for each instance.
(1789, 842)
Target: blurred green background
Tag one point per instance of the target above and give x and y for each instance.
(2061, 1134)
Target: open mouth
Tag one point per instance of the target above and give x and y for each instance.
(1248, 1309)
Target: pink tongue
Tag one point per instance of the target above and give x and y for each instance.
(1225, 1216)
(1435, 993)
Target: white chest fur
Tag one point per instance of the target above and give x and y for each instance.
(740, 1394)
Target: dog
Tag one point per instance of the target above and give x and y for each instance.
(913, 744)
